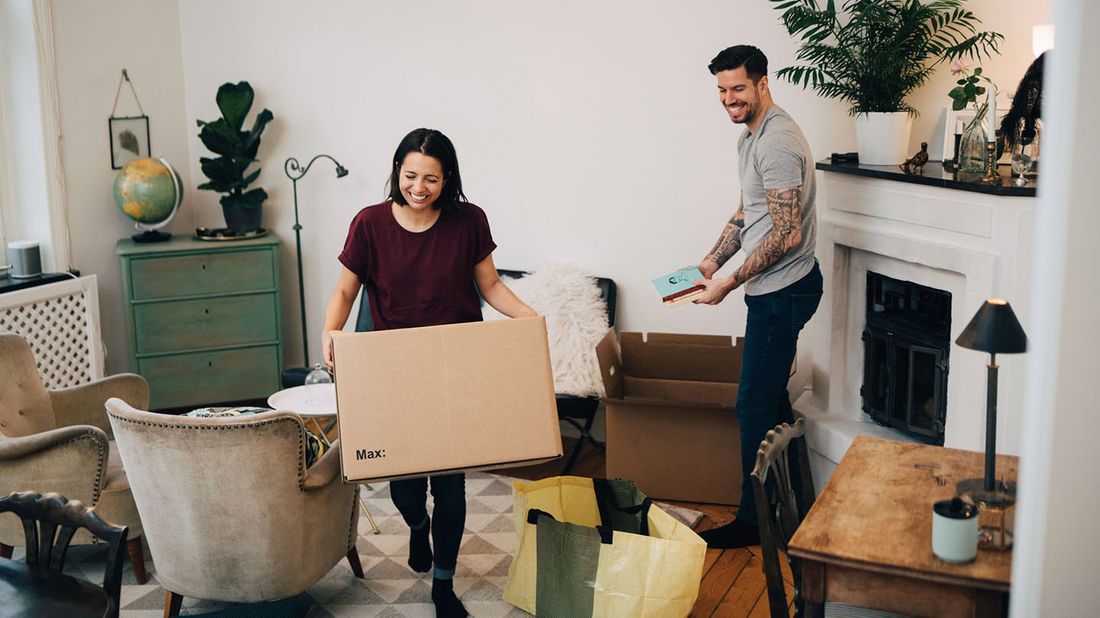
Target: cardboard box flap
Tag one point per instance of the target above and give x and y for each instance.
(437, 398)
(701, 358)
(610, 358)
(721, 394)
(716, 340)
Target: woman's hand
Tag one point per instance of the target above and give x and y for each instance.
(326, 348)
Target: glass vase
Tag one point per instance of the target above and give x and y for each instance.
(973, 157)
(1023, 151)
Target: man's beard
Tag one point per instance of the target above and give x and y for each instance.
(750, 108)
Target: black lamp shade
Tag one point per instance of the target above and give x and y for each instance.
(994, 329)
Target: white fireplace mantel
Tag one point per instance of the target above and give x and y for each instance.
(971, 244)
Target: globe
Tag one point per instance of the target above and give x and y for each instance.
(149, 192)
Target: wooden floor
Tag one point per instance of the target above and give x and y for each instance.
(733, 580)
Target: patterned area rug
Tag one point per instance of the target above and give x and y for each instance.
(390, 588)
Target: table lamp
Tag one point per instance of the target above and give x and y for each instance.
(994, 329)
(295, 376)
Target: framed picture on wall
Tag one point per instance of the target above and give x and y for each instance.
(129, 137)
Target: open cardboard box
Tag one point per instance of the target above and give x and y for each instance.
(671, 425)
(440, 399)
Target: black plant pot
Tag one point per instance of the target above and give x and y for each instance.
(241, 219)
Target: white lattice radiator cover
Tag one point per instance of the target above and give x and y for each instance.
(61, 322)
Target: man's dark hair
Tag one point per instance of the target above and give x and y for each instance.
(434, 144)
(754, 61)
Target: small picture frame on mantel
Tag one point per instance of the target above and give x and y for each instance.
(129, 137)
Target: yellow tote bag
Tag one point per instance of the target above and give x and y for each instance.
(600, 548)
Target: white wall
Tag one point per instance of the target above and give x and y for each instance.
(1056, 556)
(590, 132)
(94, 42)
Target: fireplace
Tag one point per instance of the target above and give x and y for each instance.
(962, 246)
(906, 343)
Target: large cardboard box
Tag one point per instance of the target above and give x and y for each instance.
(671, 426)
(419, 401)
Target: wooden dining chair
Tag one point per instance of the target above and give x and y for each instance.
(38, 587)
(782, 455)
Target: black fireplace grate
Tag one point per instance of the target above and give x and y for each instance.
(906, 345)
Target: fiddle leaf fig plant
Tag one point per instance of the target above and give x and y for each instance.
(236, 147)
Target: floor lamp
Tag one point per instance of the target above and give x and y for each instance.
(994, 329)
(295, 376)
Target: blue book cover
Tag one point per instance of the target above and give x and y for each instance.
(677, 287)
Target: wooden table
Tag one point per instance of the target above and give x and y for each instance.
(867, 541)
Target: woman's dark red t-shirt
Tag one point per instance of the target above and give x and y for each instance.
(418, 278)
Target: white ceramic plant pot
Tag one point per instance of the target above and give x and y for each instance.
(883, 137)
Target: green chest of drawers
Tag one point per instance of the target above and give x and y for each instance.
(202, 319)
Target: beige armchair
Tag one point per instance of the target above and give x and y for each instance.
(60, 441)
(230, 511)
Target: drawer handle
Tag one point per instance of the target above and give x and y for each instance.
(206, 311)
(204, 266)
(209, 363)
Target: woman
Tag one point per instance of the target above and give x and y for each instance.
(420, 254)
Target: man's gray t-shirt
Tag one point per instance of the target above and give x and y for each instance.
(777, 156)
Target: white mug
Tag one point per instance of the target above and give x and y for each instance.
(955, 530)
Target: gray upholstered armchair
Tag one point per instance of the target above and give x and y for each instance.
(60, 441)
(230, 511)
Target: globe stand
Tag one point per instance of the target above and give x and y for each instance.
(151, 236)
(135, 199)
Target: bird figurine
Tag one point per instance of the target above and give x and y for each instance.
(915, 163)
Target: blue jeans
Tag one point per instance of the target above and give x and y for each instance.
(771, 338)
(410, 496)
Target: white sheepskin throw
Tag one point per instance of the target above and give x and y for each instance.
(576, 320)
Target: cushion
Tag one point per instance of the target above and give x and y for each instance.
(576, 320)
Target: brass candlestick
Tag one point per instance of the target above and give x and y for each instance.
(991, 174)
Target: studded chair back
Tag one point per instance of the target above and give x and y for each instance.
(784, 493)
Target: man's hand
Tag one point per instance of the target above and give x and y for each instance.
(717, 290)
(708, 267)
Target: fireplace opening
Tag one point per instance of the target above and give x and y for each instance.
(906, 344)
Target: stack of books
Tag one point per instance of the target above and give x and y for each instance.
(677, 287)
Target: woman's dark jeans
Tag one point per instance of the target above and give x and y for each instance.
(410, 496)
(771, 338)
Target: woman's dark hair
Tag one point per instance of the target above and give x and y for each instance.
(432, 143)
(1026, 105)
(754, 61)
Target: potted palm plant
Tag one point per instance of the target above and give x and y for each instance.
(873, 53)
(236, 149)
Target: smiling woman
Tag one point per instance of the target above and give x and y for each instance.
(423, 257)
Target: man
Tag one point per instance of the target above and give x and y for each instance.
(775, 223)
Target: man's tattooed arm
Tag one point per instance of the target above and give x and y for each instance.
(729, 243)
(786, 233)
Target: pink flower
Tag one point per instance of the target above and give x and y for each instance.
(958, 66)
